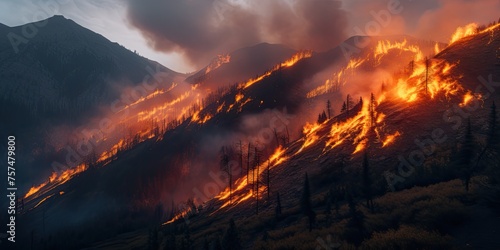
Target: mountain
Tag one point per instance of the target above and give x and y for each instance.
(62, 77)
(413, 98)
(241, 65)
(64, 70)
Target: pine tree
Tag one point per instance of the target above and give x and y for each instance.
(355, 231)
(224, 165)
(492, 139)
(348, 103)
(344, 108)
(329, 109)
(278, 207)
(466, 155)
(306, 203)
(372, 110)
(367, 182)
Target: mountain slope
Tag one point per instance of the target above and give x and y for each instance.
(66, 69)
(168, 167)
(240, 65)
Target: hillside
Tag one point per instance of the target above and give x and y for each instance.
(136, 187)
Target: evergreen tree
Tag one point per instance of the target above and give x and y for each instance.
(354, 232)
(329, 109)
(306, 204)
(344, 108)
(492, 139)
(367, 182)
(466, 155)
(278, 207)
(372, 110)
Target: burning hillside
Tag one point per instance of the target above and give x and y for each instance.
(242, 137)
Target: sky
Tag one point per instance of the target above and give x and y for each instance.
(184, 35)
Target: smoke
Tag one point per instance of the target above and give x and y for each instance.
(200, 29)
(426, 19)
(439, 24)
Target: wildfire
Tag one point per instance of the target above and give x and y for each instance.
(383, 48)
(240, 185)
(216, 63)
(35, 189)
(436, 48)
(162, 110)
(295, 58)
(196, 118)
(57, 179)
(390, 139)
(461, 32)
(238, 97)
(177, 216)
(288, 63)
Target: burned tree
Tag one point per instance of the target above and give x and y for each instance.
(224, 166)
(306, 204)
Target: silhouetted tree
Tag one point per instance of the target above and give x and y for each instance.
(224, 165)
(349, 104)
(255, 173)
(367, 182)
(248, 161)
(466, 155)
(322, 117)
(492, 139)
(344, 108)
(278, 206)
(372, 110)
(354, 232)
(329, 109)
(306, 204)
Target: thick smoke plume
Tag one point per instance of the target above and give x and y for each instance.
(200, 29)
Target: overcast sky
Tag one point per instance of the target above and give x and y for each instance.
(184, 34)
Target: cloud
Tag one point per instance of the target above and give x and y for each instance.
(200, 29)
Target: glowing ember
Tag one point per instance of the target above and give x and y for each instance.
(42, 200)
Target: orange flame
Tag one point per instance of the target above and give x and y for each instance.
(288, 63)
(390, 139)
(465, 31)
(216, 63)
